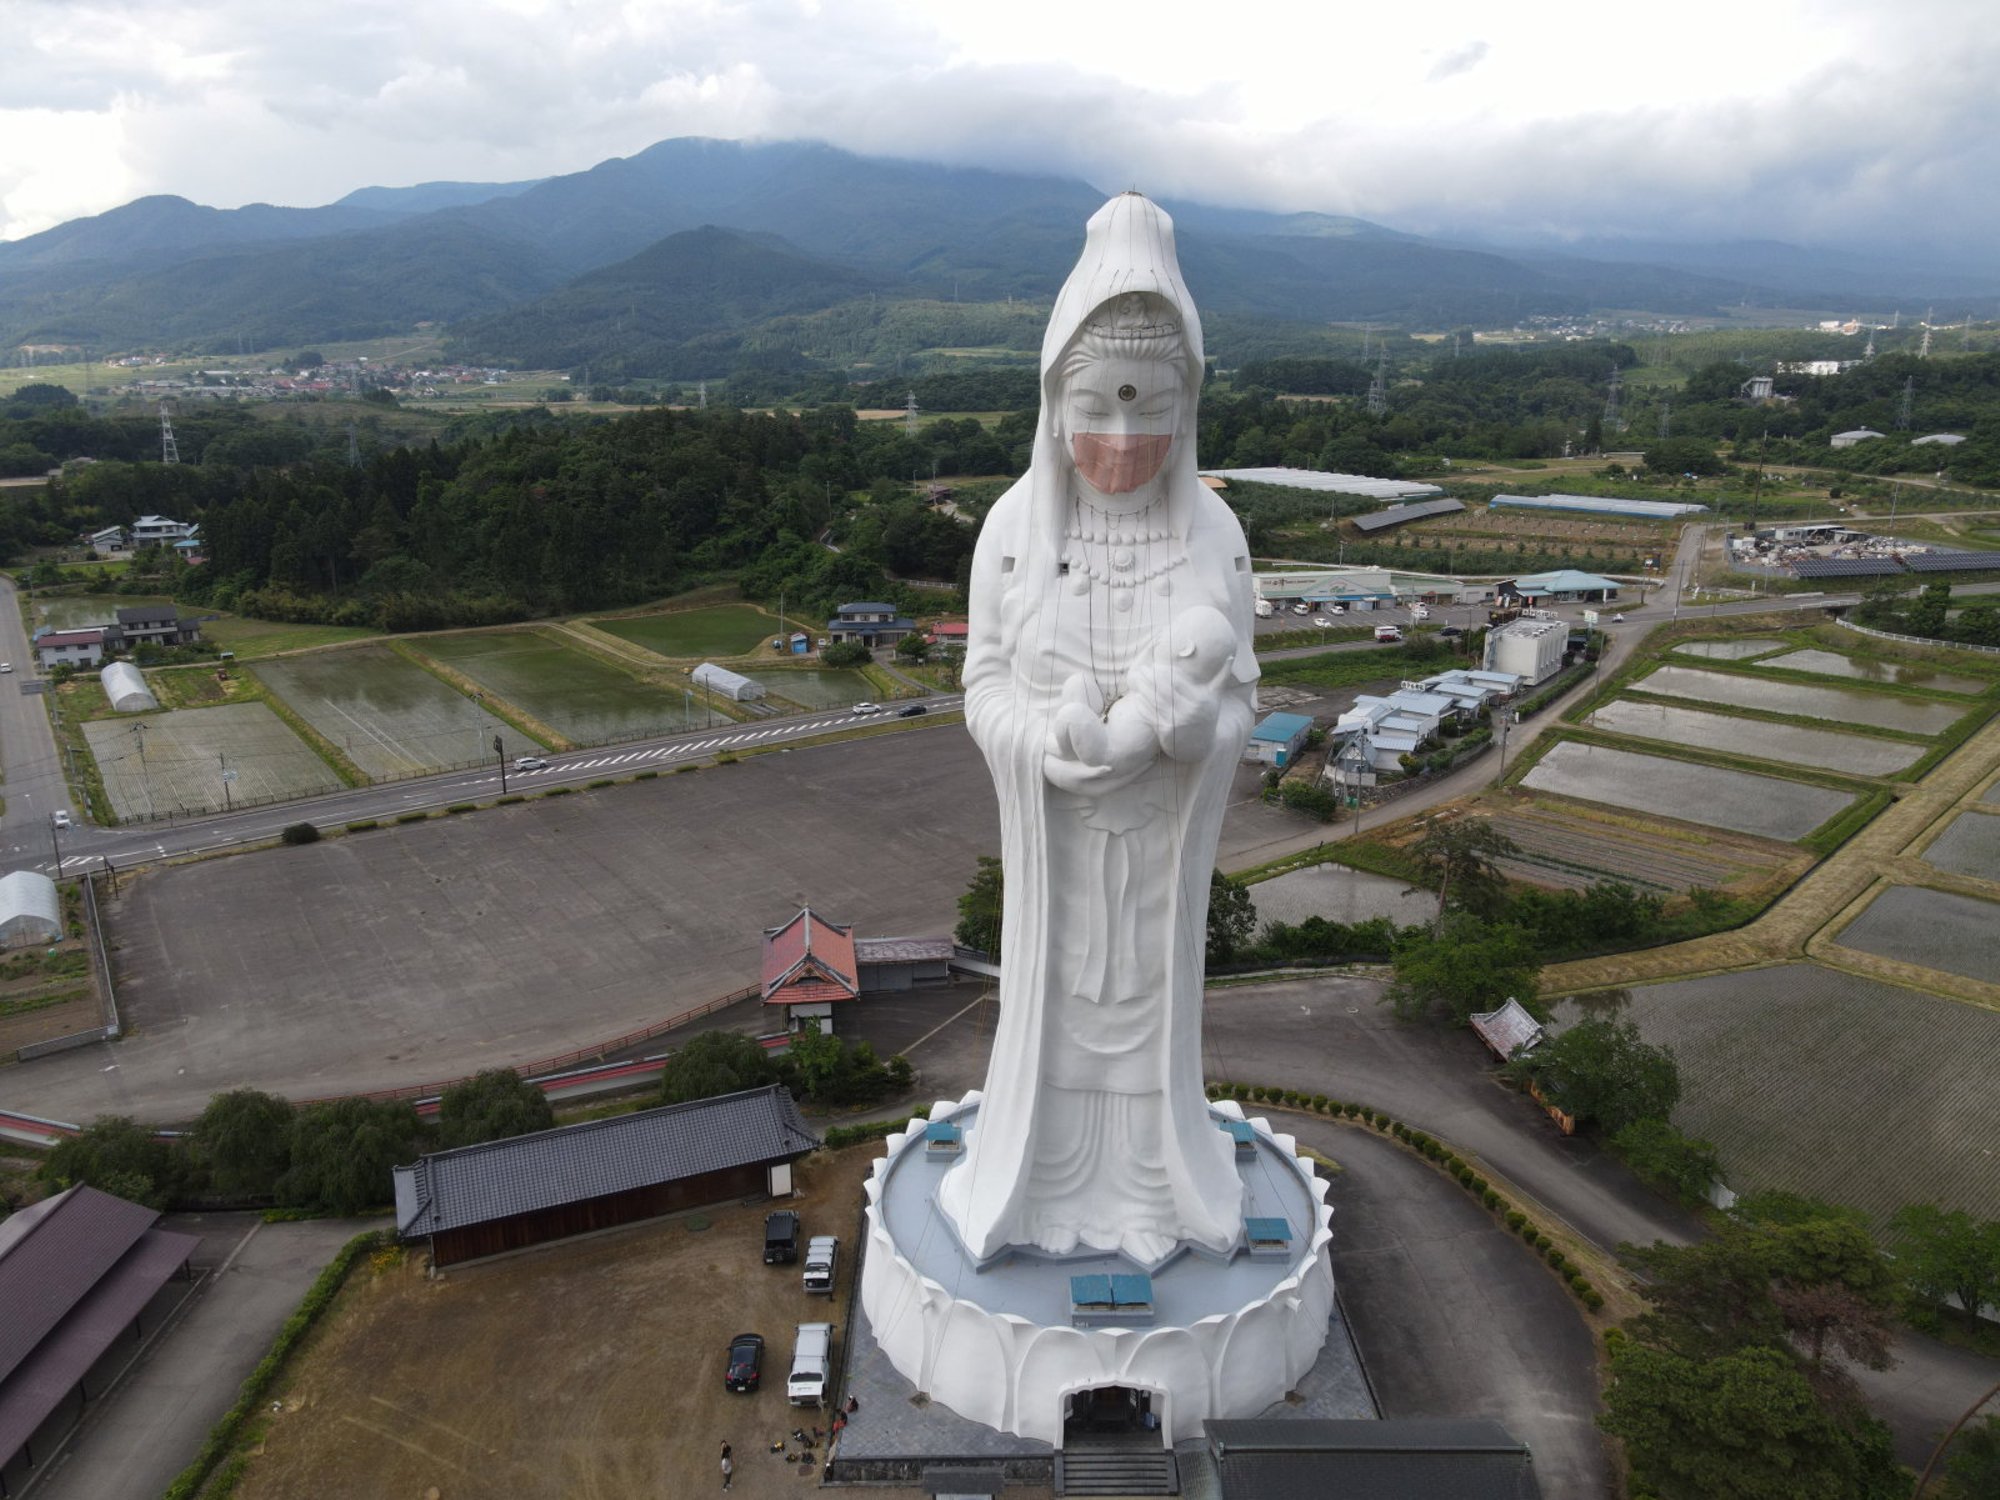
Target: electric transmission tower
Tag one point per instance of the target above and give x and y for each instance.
(1924, 348)
(910, 410)
(701, 394)
(1666, 420)
(170, 452)
(1378, 390)
(1614, 419)
(1869, 353)
(1909, 399)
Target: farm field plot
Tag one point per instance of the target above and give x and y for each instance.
(1970, 845)
(1340, 895)
(586, 699)
(815, 687)
(1866, 669)
(720, 630)
(389, 716)
(1564, 847)
(592, 1368)
(1857, 754)
(1736, 800)
(185, 749)
(255, 639)
(1831, 1085)
(1846, 705)
(1992, 793)
(1932, 929)
(74, 611)
(1728, 650)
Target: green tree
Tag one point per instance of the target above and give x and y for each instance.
(243, 1140)
(1458, 860)
(846, 654)
(1927, 615)
(1604, 1073)
(1659, 1154)
(1744, 1426)
(815, 1059)
(492, 1106)
(343, 1153)
(1972, 1470)
(1947, 1254)
(914, 647)
(715, 1063)
(1470, 965)
(1232, 919)
(116, 1155)
(980, 908)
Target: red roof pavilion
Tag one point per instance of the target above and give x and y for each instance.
(809, 960)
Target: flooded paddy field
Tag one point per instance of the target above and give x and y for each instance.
(387, 714)
(571, 691)
(1565, 846)
(1736, 800)
(1933, 929)
(814, 687)
(1838, 1087)
(1869, 669)
(1728, 650)
(172, 763)
(1845, 705)
(1970, 845)
(1859, 755)
(720, 630)
(75, 611)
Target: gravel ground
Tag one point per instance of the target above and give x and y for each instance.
(1340, 895)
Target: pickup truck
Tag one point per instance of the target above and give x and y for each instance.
(822, 1254)
(781, 1237)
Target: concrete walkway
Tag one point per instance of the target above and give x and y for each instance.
(133, 1443)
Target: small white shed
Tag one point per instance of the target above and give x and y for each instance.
(29, 909)
(125, 688)
(727, 684)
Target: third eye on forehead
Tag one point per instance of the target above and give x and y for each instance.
(1099, 393)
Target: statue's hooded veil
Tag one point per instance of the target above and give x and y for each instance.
(1128, 248)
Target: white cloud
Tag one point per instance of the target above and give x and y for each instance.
(1793, 118)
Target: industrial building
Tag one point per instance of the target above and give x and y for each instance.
(1565, 585)
(1600, 505)
(1278, 739)
(1530, 649)
(1402, 515)
(1363, 587)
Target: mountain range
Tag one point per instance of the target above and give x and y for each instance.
(675, 261)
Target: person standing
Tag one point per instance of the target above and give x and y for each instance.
(728, 1466)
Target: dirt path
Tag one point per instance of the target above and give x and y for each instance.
(1798, 925)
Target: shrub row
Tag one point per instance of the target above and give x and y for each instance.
(1430, 1147)
(412, 817)
(223, 1436)
(459, 807)
(362, 825)
(853, 1135)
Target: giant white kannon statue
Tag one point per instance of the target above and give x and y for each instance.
(1109, 683)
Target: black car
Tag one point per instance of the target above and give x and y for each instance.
(912, 711)
(746, 1362)
(1451, 630)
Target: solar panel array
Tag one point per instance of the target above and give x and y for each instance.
(1845, 567)
(1398, 515)
(1952, 562)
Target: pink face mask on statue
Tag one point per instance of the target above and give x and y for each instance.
(1118, 463)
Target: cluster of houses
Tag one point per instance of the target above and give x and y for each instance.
(136, 625)
(184, 537)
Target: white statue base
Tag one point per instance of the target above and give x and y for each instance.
(1005, 1344)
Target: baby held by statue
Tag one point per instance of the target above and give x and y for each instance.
(1169, 703)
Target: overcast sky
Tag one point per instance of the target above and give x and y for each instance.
(1819, 121)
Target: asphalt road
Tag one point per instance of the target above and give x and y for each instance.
(34, 784)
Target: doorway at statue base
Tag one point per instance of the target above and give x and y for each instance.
(1031, 1343)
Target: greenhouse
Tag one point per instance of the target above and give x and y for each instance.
(29, 910)
(125, 688)
(727, 684)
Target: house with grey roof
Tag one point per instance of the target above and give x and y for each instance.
(484, 1200)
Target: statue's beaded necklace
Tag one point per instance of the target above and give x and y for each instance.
(1117, 555)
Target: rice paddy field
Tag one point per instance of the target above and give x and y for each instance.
(1934, 929)
(249, 639)
(75, 611)
(1831, 1085)
(573, 692)
(1568, 846)
(1729, 650)
(1738, 801)
(720, 630)
(1874, 669)
(814, 687)
(388, 715)
(1860, 755)
(1843, 705)
(179, 769)
(1970, 845)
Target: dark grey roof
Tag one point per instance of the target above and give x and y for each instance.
(575, 1163)
(74, 1272)
(149, 614)
(1390, 1460)
(1951, 562)
(1396, 515)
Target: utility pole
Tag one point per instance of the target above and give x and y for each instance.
(500, 749)
(55, 839)
(228, 802)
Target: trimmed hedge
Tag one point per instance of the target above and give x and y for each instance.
(854, 1135)
(509, 800)
(602, 781)
(223, 1436)
(1450, 1162)
(362, 825)
(459, 807)
(413, 817)
(300, 833)
(558, 791)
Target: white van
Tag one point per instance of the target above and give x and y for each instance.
(1388, 633)
(822, 1251)
(811, 1362)
(1266, 609)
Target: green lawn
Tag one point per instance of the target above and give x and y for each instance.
(721, 630)
(251, 639)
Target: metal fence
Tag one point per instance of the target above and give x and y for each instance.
(1916, 640)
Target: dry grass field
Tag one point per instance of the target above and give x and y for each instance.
(1565, 844)
(583, 1371)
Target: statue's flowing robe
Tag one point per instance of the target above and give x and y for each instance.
(1093, 1115)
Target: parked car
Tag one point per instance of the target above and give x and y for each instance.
(61, 817)
(1615, 620)
(1302, 609)
(915, 710)
(822, 1253)
(6, 666)
(781, 1237)
(745, 1366)
(806, 1386)
(1323, 622)
(864, 708)
(530, 763)
(1451, 630)
(1265, 609)
(1336, 609)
